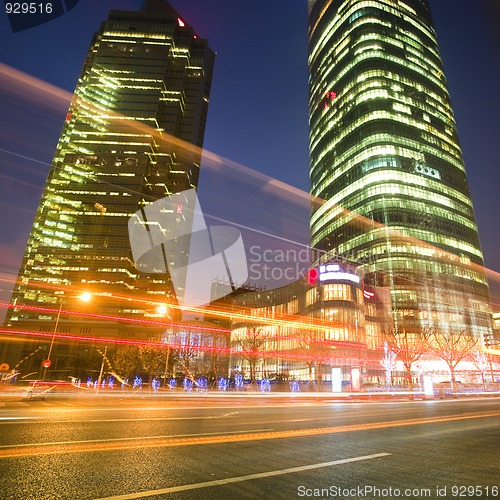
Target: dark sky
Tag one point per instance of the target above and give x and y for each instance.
(258, 107)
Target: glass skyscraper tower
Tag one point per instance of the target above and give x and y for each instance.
(386, 164)
(146, 79)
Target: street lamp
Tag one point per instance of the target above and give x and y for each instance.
(163, 311)
(84, 297)
(166, 362)
(102, 368)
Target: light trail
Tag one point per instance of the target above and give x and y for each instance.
(19, 83)
(9, 446)
(112, 318)
(228, 314)
(318, 357)
(222, 350)
(274, 355)
(495, 352)
(141, 443)
(203, 328)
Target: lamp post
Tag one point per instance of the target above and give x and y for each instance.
(163, 310)
(102, 368)
(84, 297)
(166, 362)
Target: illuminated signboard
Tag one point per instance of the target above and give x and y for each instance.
(355, 379)
(336, 379)
(332, 272)
(330, 96)
(312, 276)
(428, 386)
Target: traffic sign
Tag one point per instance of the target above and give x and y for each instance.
(46, 363)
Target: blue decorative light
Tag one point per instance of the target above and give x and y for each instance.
(155, 384)
(137, 382)
(238, 381)
(188, 384)
(222, 384)
(201, 384)
(265, 385)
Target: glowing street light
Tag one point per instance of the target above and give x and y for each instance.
(85, 297)
(162, 309)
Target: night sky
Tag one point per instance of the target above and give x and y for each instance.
(258, 108)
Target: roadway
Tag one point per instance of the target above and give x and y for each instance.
(241, 447)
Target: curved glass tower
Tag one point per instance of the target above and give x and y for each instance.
(386, 163)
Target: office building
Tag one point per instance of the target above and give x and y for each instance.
(327, 319)
(385, 160)
(132, 135)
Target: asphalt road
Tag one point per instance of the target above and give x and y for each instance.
(232, 448)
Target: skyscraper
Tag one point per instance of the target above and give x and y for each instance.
(146, 79)
(385, 158)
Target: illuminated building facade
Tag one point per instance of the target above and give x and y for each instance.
(495, 341)
(496, 320)
(385, 158)
(325, 320)
(146, 78)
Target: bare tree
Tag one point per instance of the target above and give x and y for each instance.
(317, 351)
(188, 352)
(481, 361)
(218, 354)
(310, 361)
(408, 347)
(389, 364)
(251, 343)
(452, 348)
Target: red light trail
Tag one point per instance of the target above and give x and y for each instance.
(227, 350)
(305, 323)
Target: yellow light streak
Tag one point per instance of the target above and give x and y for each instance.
(141, 443)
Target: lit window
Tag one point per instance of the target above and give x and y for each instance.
(336, 292)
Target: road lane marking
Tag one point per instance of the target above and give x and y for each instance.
(6, 446)
(136, 444)
(239, 479)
